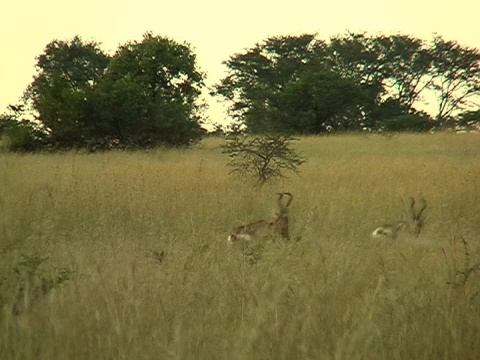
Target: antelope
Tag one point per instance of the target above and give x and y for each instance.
(262, 229)
(415, 226)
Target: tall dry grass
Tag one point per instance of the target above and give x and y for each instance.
(124, 255)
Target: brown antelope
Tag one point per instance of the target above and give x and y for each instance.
(262, 229)
(415, 226)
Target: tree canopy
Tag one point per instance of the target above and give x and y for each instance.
(300, 84)
(144, 95)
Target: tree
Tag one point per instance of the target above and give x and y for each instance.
(257, 77)
(262, 158)
(149, 94)
(318, 102)
(302, 85)
(456, 72)
(357, 57)
(146, 94)
(17, 133)
(393, 71)
(67, 71)
(469, 120)
(407, 70)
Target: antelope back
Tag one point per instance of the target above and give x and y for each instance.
(250, 231)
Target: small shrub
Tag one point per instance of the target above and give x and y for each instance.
(262, 158)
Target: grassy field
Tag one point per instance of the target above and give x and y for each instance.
(124, 255)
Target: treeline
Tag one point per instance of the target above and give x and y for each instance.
(148, 92)
(144, 95)
(353, 82)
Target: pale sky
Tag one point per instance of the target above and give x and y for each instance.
(215, 29)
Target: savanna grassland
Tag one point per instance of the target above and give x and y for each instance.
(124, 255)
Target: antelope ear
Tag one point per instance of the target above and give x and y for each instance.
(279, 200)
(411, 209)
(290, 198)
(423, 206)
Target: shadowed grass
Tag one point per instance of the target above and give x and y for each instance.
(144, 236)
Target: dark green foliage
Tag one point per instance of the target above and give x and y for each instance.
(18, 134)
(316, 103)
(148, 92)
(469, 120)
(302, 85)
(396, 65)
(262, 158)
(407, 66)
(354, 82)
(456, 76)
(59, 93)
(143, 96)
(259, 77)
(151, 90)
(408, 122)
